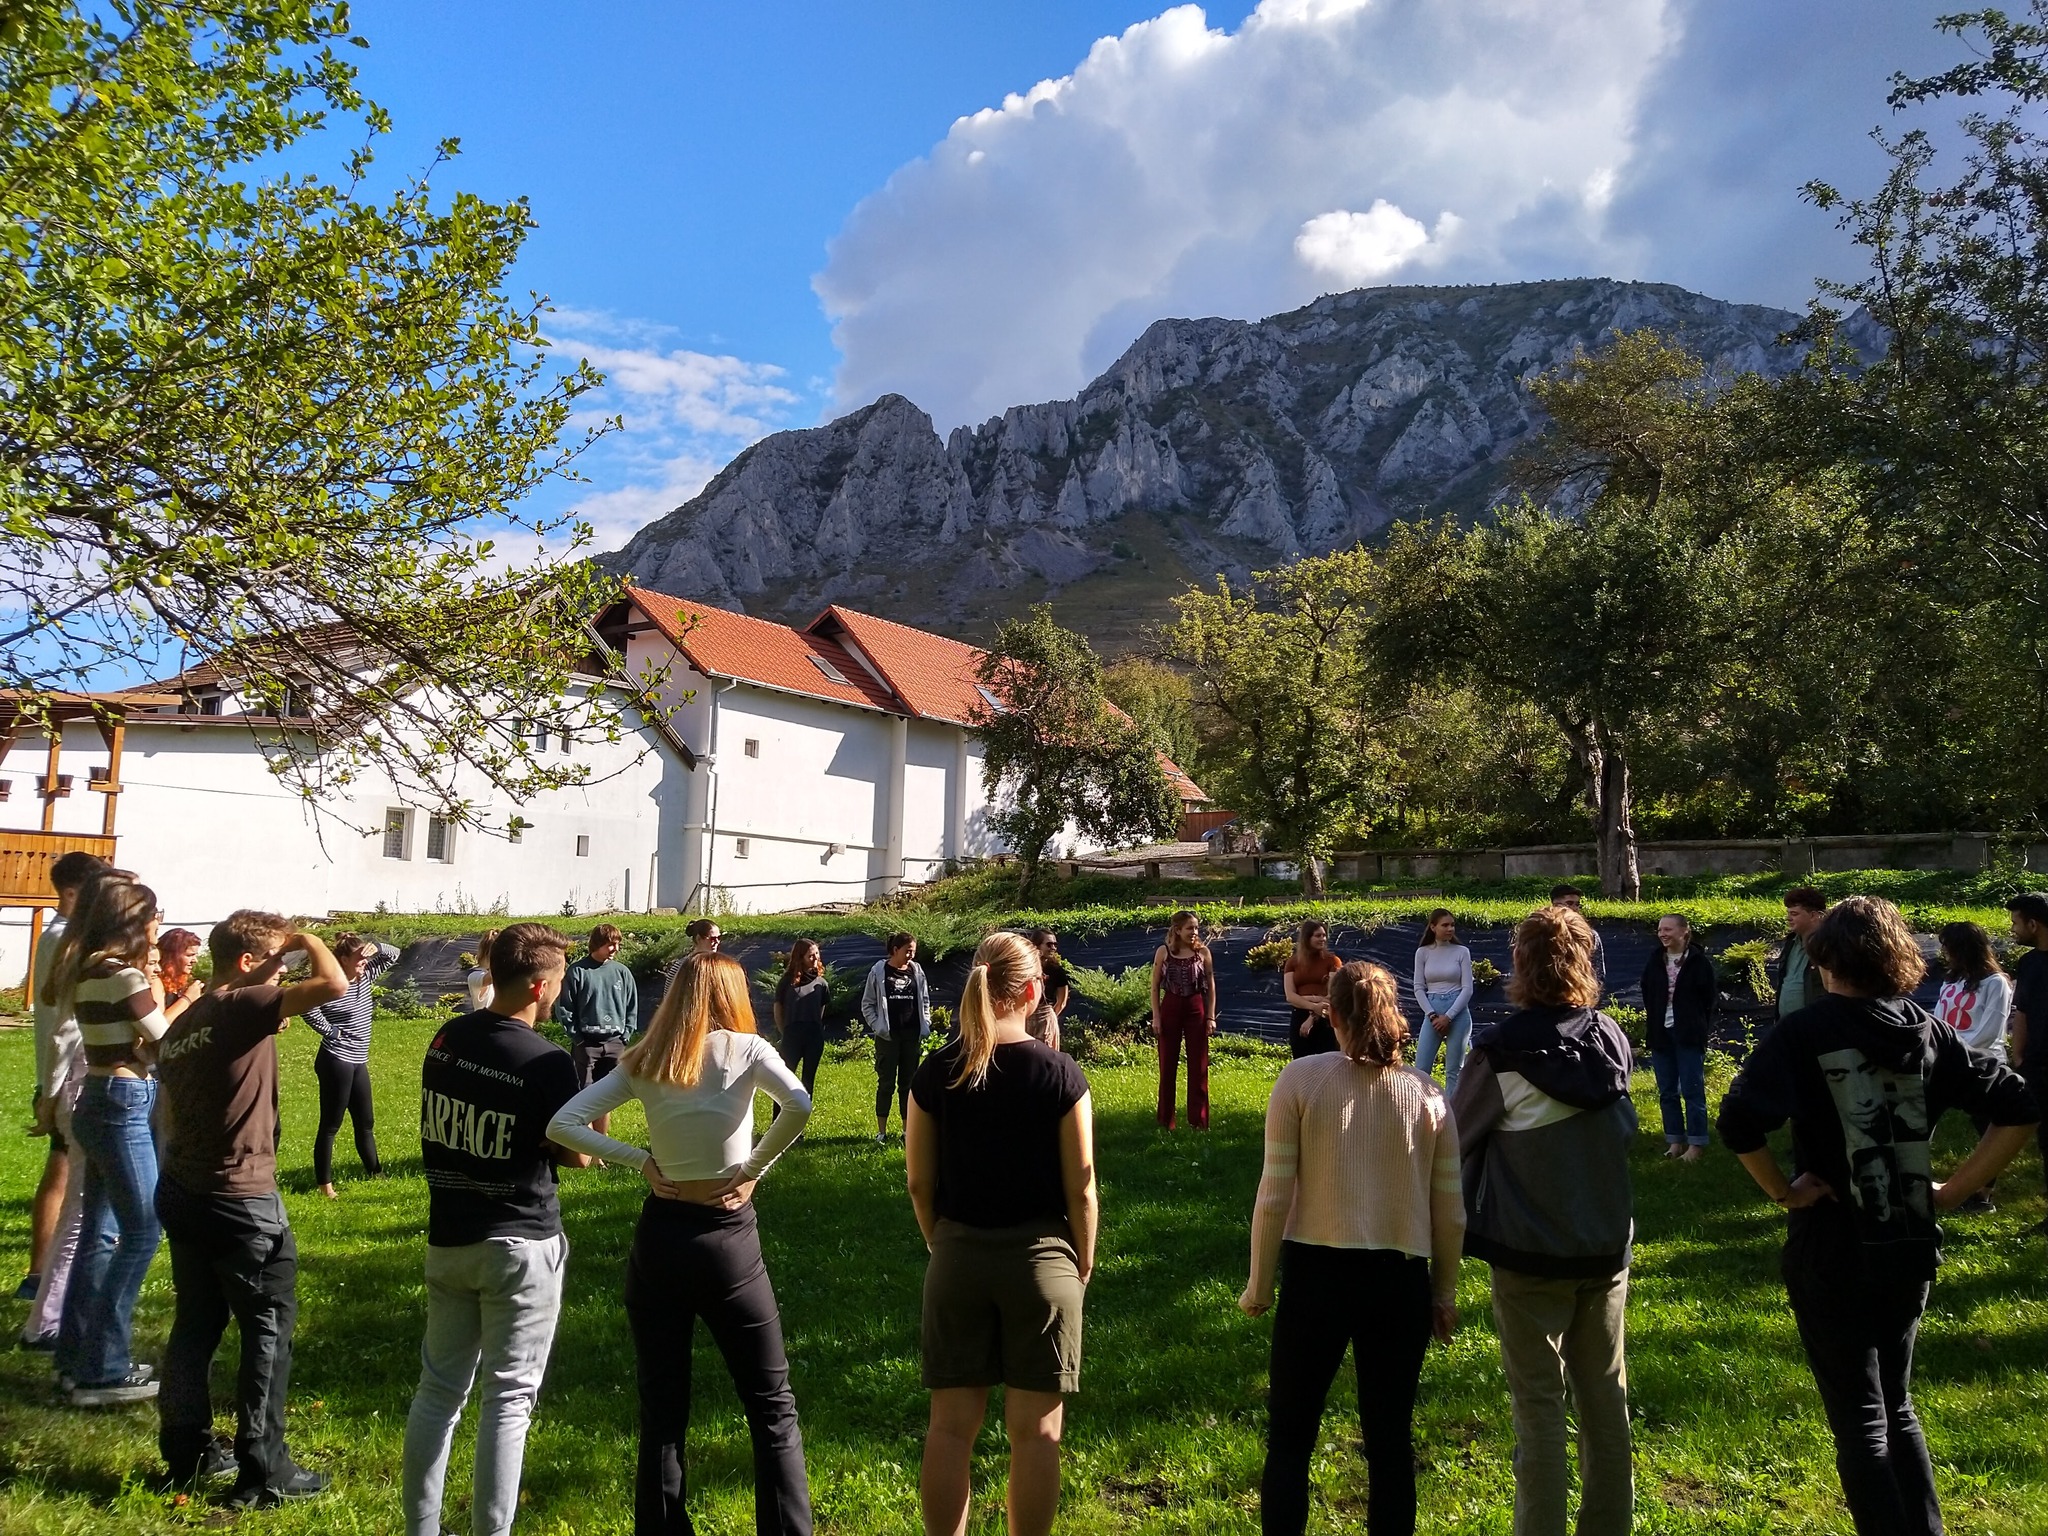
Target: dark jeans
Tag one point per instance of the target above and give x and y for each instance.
(229, 1258)
(1320, 1038)
(344, 1089)
(1858, 1330)
(1682, 1092)
(1377, 1301)
(803, 1047)
(896, 1059)
(691, 1261)
(117, 1227)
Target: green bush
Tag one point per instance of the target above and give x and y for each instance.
(1117, 1001)
(404, 1000)
(1269, 956)
(1634, 1023)
(1744, 965)
(1485, 973)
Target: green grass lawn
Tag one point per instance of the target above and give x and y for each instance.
(1166, 1434)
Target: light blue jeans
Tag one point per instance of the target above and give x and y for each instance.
(117, 1227)
(1682, 1092)
(1455, 1043)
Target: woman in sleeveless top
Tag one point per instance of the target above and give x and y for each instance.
(1184, 1011)
(98, 978)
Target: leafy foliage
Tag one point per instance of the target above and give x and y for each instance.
(255, 417)
(1269, 956)
(1117, 999)
(1055, 752)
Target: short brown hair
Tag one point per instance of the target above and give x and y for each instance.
(898, 939)
(1554, 961)
(246, 932)
(70, 871)
(348, 945)
(523, 951)
(1559, 892)
(1864, 943)
(606, 933)
(699, 928)
(1808, 898)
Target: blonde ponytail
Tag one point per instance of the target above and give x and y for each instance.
(1005, 966)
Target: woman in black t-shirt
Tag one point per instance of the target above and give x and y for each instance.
(800, 999)
(999, 1146)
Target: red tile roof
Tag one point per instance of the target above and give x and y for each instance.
(722, 644)
(914, 673)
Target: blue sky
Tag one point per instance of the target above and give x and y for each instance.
(754, 215)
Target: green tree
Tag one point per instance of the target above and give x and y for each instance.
(1054, 751)
(254, 415)
(1287, 700)
(1160, 699)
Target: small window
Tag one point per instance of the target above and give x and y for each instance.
(563, 739)
(293, 705)
(752, 747)
(582, 845)
(989, 698)
(441, 839)
(826, 667)
(397, 833)
(209, 704)
(535, 731)
(742, 847)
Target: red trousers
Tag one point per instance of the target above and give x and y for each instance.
(1184, 1019)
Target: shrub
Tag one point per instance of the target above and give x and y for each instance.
(1634, 1023)
(1117, 1001)
(1743, 965)
(1485, 973)
(1269, 956)
(404, 1000)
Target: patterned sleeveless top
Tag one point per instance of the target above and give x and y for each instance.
(1184, 975)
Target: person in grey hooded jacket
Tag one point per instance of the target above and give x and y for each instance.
(1544, 1126)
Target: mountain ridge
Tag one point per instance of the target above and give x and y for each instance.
(1210, 446)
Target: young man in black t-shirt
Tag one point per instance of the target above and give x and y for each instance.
(232, 1251)
(495, 1250)
(2029, 1019)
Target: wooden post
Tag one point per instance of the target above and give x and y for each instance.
(35, 941)
(50, 777)
(115, 734)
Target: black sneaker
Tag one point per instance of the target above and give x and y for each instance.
(138, 1386)
(298, 1484)
(215, 1462)
(42, 1344)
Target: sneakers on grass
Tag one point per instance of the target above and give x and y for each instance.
(138, 1386)
(298, 1484)
(214, 1464)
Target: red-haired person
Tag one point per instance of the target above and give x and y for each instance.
(1359, 1223)
(697, 1248)
(1184, 1013)
(1544, 1125)
(1863, 1075)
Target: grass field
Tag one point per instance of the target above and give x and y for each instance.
(1166, 1434)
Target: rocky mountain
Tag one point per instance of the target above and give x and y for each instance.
(1210, 446)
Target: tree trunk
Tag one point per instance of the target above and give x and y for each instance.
(1311, 875)
(1619, 873)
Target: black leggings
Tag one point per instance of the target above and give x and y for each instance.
(344, 1089)
(690, 1261)
(803, 1047)
(1377, 1301)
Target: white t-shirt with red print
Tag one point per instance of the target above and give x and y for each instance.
(1977, 1014)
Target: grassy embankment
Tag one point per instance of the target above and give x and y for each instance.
(1167, 1432)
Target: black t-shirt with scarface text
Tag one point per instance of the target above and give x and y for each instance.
(488, 1088)
(1863, 1082)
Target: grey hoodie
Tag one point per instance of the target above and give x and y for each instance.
(1544, 1125)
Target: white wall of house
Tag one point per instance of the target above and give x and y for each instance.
(203, 821)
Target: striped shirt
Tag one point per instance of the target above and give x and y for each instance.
(344, 1024)
(116, 1011)
(1359, 1156)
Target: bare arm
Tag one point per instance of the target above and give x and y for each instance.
(323, 986)
(921, 1168)
(1158, 970)
(1794, 1194)
(1999, 1145)
(1077, 1172)
(1209, 971)
(2016, 1028)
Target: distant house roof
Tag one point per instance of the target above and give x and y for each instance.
(907, 671)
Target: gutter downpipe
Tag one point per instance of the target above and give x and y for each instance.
(710, 761)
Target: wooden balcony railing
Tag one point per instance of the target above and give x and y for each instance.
(26, 857)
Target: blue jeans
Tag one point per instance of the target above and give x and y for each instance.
(1682, 1076)
(1455, 1042)
(117, 1227)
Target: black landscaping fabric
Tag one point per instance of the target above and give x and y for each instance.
(1248, 1002)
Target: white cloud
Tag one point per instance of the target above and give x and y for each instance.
(1181, 169)
(1356, 248)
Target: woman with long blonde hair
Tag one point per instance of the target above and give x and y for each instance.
(697, 1250)
(999, 1151)
(99, 979)
(1359, 1225)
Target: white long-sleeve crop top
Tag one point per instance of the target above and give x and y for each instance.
(701, 1132)
(1443, 968)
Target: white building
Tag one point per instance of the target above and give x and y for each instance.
(829, 763)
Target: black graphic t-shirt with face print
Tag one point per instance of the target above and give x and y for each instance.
(1863, 1082)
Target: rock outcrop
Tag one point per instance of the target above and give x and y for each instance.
(1211, 445)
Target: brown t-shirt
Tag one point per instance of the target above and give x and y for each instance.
(218, 1065)
(1312, 973)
